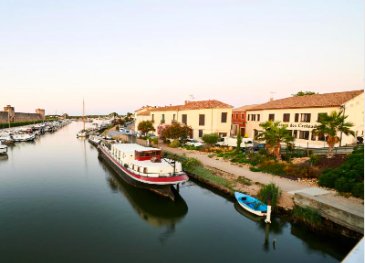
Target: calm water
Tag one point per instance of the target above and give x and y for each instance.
(60, 203)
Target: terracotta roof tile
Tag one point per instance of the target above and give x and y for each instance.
(195, 105)
(245, 108)
(334, 99)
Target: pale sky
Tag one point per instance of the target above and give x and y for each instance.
(120, 55)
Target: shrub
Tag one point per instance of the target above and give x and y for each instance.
(349, 177)
(174, 144)
(210, 139)
(270, 194)
(307, 215)
(272, 167)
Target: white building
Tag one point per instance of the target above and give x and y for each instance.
(204, 117)
(301, 114)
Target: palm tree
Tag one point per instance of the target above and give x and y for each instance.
(330, 125)
(274, 134)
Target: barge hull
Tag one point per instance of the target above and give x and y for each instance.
(167, 191)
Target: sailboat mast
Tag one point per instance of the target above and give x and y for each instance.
(83, 112)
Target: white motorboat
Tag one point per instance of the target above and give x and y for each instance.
(3, 149)
(23, 137)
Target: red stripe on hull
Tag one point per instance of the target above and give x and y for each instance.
(148, 180)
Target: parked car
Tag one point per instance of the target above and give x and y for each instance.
(193, 142)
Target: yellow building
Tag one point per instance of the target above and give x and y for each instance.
(204, 117)
(301, 113)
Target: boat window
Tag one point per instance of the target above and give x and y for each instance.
(145, 170)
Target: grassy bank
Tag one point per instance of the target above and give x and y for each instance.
(17, 124)
(196, 170)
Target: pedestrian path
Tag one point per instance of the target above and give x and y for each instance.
(340, 209)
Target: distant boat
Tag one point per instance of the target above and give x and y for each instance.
(3, 149)
(95, 140)
(83, 133)
(251, 204)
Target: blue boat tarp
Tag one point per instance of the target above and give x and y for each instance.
(251, 204)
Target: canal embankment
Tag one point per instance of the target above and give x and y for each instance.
(338, 215)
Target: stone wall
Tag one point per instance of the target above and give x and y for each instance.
(20, 117)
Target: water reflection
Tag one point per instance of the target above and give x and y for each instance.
(276, 227)
(156, 211)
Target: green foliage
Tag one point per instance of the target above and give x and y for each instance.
(145, 126)
(270, 194)
(239, 141)
(307, 215)
(191, 147)
(332, 124)
(175, 131)
(303, 93)
(274, 134)
(272, 167)
(174, 144)
(211, 138)
(314, 159)
(244, 180)
(349, 177)
(17, 124)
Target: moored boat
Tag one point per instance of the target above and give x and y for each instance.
(144, 167)
(23, 137)
(3, 148)
(251, 204)
(95, 140)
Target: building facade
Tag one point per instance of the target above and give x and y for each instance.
(301, 115)
(239, 120)
(204, 117)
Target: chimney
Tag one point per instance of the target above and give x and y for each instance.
(271, 99)
(186, 102)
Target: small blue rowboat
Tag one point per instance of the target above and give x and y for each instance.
(251, 204)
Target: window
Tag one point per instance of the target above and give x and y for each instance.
(224, 117)
(271, 117)
(173, 117)
(153, 117)
(201, 119)
(305, 117)
(295, 134)
(313, 136)
(253, 117)
(163, 118)
(321, 137)
(222, 134)
(320, 116)
(296, 117)
(258, 117)
(304, 135)
(200, 133)
(286, 117)
(248, 117)
(184, 119)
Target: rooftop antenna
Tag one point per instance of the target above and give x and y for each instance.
(272, 95)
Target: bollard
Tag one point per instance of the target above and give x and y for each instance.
(268, 215)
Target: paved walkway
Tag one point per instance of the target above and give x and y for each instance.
(351, 205)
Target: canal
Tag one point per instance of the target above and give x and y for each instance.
(60, 203)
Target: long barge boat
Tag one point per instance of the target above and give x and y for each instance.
(144, 167)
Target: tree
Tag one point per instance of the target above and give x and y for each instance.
(211, 138)
(239, 141)
(174, 131)
(274, 134)
(303, 93)
(145, 127)
(330, 125)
